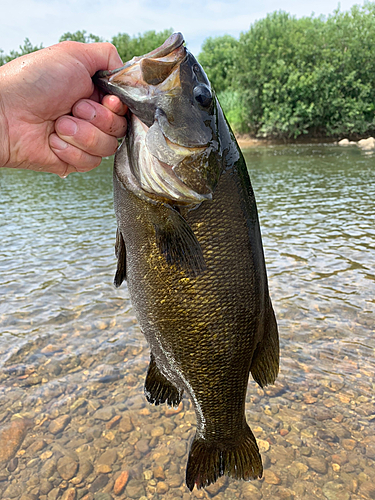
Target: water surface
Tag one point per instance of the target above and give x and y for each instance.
(73, 418)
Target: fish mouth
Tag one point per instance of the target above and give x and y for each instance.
(165, 162)
(145, 78)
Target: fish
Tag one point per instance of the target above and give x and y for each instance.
(189, 246)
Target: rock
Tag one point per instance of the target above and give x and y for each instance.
(13, 464)
(59, 424)
(113, 422)
(109, 457)
(45, 487)
(263, 445)
(69, 494)
(13, 491)
(103, 496)
(135, 489)
(157, 431)
(370, 451)
(346, 142)
(367, 144)
(270, 477)
(48, 468)
(251, 492)
(349, 444)
(180, 448)
(103, 469)
(158, 472)
(318, 464)
(121, 482)
(67, 467)
(162, 488)
(105, 414)
(367, 489)
(11, 438)
(142, 446)
(335, 491)
(99, 483)
(126, 424)
(176, 480)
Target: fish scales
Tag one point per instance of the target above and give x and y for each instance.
(203, 306)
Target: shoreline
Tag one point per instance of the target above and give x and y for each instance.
(247, 141)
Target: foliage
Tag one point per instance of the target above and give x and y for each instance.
(217, 58)
(128, 47)
(287, 76)
(80, 36)
(26, 48)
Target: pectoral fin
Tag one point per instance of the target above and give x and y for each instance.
(178, 244)
(120, 251)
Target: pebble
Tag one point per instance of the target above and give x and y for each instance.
(100, 482)
(67, 467)
(159, 472)
(121, 482)
(263, 445)
(126, 424)
(69, 494)
(135, 489)
(11, 438)
(59, 424)
(349, 444)
(162, 488)
(318, 464)
(270, 477)
(105, 414)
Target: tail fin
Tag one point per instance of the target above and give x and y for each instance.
(208, 461)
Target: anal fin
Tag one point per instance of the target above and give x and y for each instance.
(265, 364)
(158, 389)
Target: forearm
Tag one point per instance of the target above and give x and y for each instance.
(4, 134)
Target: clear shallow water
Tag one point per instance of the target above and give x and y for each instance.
(73, 360)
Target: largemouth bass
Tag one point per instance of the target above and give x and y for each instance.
(189, 245)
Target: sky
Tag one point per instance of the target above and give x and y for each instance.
(44, 21)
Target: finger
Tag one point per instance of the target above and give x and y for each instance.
(114, 104)
(75, 158)
(101, 116)
(85, 136)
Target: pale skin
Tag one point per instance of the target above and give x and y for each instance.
(51, 117)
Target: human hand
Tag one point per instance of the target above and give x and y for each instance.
(50, 116)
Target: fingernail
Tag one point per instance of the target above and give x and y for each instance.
(66, 126)
(85, 111)
(56, 143)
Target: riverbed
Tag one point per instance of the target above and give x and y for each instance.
(74, 422)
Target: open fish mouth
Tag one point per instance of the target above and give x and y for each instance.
(167, 150)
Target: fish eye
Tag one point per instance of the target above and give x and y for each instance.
(196, 69)
(202, 95)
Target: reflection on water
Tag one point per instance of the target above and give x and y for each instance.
(73, 420)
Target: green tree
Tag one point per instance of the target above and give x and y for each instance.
(80, 36)
(218, 59)
(26, 48)
(128, 47)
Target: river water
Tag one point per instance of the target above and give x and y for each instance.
(73, 419)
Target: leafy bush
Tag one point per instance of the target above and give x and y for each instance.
(289, 76)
